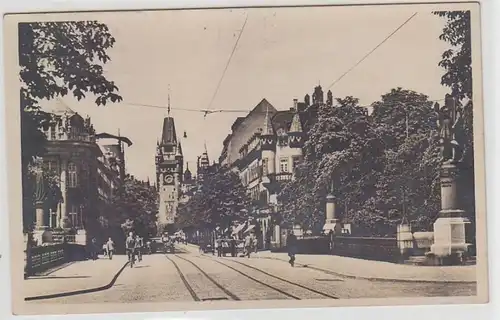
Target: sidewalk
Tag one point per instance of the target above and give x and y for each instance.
(374, 270)
(84, 276)
(377, 270)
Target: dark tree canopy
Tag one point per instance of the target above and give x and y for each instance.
(220, 199)
(134, 207)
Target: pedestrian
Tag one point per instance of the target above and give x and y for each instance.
(255, 243)
(217, 248)
(130, 247)
(110, 248)
(233, 247)
(248, 245)
(291, 243)
(138, 247)
(93, 249)
(225, 247)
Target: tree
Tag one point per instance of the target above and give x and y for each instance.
(220, 199)
(341, 150)
(457, 64)
(408, 186)
(55, 59)
(134, 207)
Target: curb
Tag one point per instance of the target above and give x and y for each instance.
(77, 292)
(374, 278)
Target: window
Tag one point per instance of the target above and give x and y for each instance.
(284, 165)
(72, 175)
(168, 149)
(265, 166)
(52, 131)
(51, 166)
(296, 161)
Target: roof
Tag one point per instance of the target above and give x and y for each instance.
(282, 119)
(168, 133)
(105, 135)
(57, 107)
(237, 122)
(296, 125)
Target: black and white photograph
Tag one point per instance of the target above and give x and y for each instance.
(224, 158)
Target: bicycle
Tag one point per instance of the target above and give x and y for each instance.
(131, 257)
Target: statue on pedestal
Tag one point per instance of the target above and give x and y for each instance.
(449, 229)
(40, 194)
(449, 119)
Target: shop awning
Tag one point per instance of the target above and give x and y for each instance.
(250, 228)
(238, 229)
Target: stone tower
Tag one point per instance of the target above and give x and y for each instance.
(268, 146)
(169, 170)
(203, 165)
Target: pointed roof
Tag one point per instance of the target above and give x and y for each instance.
(296, 125)
(57, 107)
(179, 150)
(187, 168)
(268, 127)
(168, 133)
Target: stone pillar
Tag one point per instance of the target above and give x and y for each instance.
(39, 215)
(449, 229)
(331, 222)
(63, 223)
(41, 234)
(404, 238)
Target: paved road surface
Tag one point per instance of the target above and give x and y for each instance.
(193, 277)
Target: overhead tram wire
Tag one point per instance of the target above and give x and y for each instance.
(205, 111)
(228, 63)
(373, 50)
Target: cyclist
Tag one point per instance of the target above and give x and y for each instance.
(130, 247)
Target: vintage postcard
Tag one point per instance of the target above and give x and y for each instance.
(227, 158)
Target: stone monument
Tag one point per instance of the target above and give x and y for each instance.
(41, 234)
(449, 228)
(332, 224)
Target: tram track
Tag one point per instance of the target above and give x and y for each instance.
(190, 288)
(272, 276)
(184, 280)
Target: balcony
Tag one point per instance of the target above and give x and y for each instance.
(273, 182)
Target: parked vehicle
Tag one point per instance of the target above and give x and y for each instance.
(207, 248)
(240, 246)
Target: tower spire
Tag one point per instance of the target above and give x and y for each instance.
(168, 107)
(268, 129)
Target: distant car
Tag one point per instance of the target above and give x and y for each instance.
(207, 248)
(240, 246)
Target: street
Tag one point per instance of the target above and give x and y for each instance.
(190, 276)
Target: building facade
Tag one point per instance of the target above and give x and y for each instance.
(269, 147)
(72, 157)
(169, 173)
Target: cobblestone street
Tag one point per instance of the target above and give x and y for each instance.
(190, 276)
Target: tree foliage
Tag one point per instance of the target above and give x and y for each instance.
(134, 207)
(457, 63)
(56, 59)
(383, 168)
(220, 199)
(380, 167)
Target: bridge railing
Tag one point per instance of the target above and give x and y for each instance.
(41, 258)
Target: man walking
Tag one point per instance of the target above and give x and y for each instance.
(248, 245)
(110, 248)
(130, 247)
(291, 243)
(255, 242)
(138, 247)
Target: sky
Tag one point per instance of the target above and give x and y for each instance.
(283, 53)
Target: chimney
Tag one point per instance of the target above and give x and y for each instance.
(295, 103)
